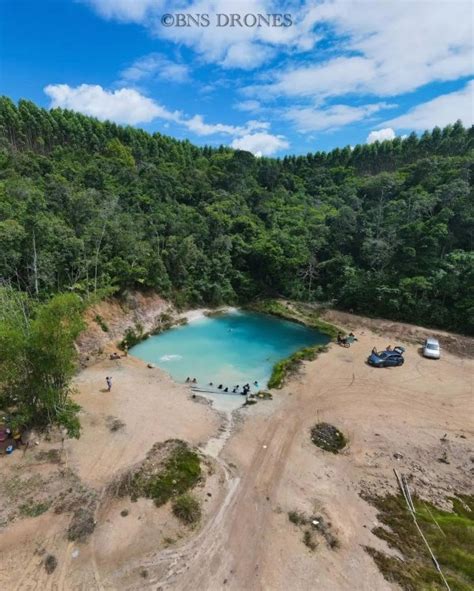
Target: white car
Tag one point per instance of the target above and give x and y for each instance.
(431, 348)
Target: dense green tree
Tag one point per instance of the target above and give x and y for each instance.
(382, 229)
(37, 358)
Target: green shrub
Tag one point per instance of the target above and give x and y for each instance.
(169, 470)
(32, 509)
(297, 517)
(282, 369)
(328, 437)
(187, 509)
(101, 322)
(132, 337)
(182, 472)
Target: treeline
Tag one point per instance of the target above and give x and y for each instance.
(383, 229)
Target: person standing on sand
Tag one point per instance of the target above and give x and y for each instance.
(108, 381)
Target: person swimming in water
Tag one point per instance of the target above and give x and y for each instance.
(219, 387)
(226, 389)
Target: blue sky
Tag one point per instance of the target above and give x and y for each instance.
(343, 72)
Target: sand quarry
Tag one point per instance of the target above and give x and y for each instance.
(260, 464)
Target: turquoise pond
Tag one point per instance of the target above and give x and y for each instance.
(233, 348)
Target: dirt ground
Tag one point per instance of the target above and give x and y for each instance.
(406, 418)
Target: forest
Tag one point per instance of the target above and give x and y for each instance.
(385, 229)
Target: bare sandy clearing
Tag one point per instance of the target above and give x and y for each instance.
(268, 467)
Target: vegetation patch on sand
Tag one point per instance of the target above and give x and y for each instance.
(328, 437)
(450, 536)
(33, 509)
(82, 502)
(114, 424)
(50, 563)
(312, 527)
(169, 470)
(290, 365)
(187, 509)
(39, 483)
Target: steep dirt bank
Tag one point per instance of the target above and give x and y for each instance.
(108, 320)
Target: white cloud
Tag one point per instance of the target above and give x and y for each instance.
(381, 135)
(309, 119)
(250, 106)
(260, 144)
(440, 111)
(334, 78)
(123, 106)
(385, 48)
(155, 65)
(135, 11)
(197, 125)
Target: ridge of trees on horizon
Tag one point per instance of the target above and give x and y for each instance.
(383, 229)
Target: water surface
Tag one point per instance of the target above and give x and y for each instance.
(233, 348)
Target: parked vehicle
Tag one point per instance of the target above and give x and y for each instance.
(386, 359)
(431, 348)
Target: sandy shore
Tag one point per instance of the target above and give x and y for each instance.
(265, 467)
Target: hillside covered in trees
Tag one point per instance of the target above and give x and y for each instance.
(383, 229)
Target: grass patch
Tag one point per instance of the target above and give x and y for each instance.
(328, 437)
(312, 527)
(450, 535)
(82, 524)
(297, 517)
(101, 322)
(114, 424)
(286, 367)
(16, 488)
(169, 470)
(187, 509)
(33, 509)
(308, 540)
(51, 455)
